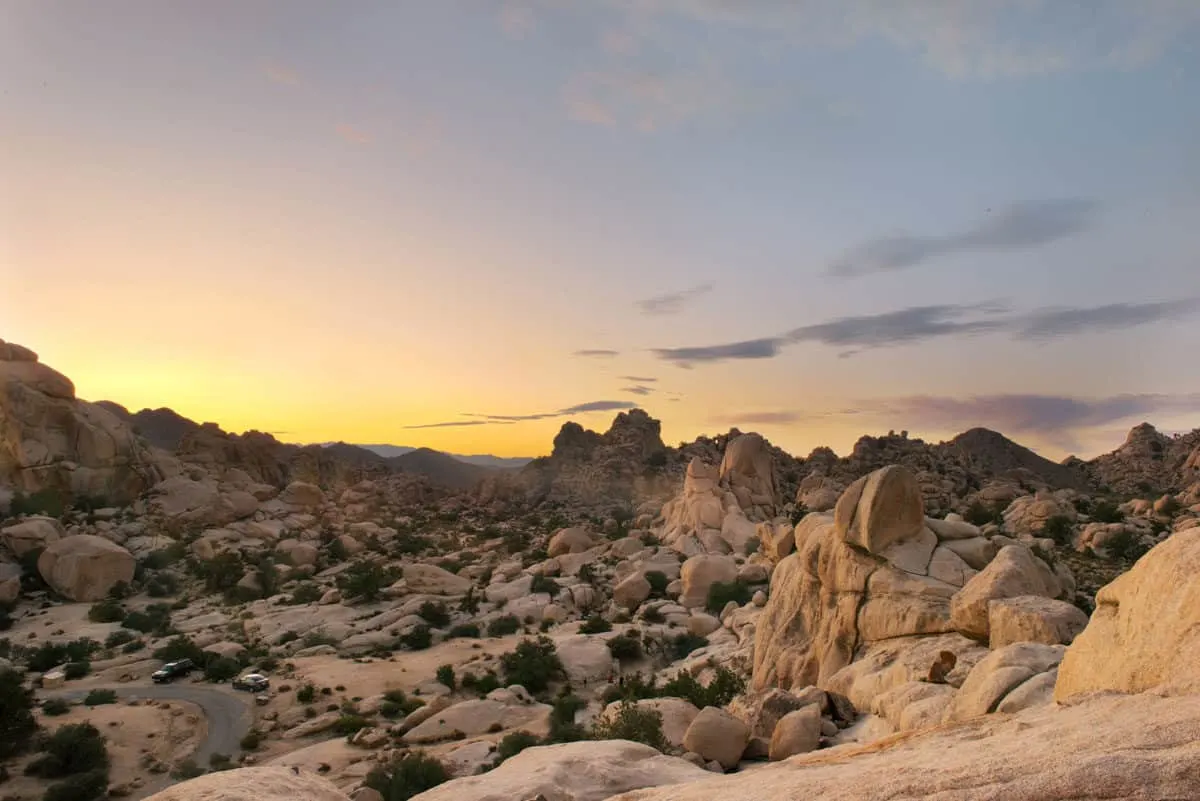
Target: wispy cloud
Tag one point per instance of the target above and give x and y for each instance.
(639, 379)
(1020, 226)
(353, 134)
(761, 418)
(508, 419)
(924, 323)
(596, 353)
(673, 302)
(638, 389)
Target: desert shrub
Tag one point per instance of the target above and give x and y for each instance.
(223, 668)
(155, 619)
(48, 502)
(100, 698)
(533, 665)
(54, 707)
(980, 514)
(625, 647)
(418, 639)
(70, 750)
(652, 614)
(118, 638)
(251, 741)
(132, 647)
(506, 624)
(435, 614)
(1059, 529)
(220, 762)
(76, 670)
(88, 786)
(513, 744)
(165, 557)
(722, 592)
(162, 584)
(563, 728)
(407, 776)
(595, 624)
(445, 675)
(348, 724)
(464, 630)
(658, 583)
(17, 723)
(1126, 545)
(106, 611)
(50, 655)
(544, 584)
(1107, 512)
(306, 593)
(187, 769)
(319, 637)
(400, 703)
(632, 723)
(364, 579)
(798, 513)
(180, 648)
(222, 572)
(6, 619)
(683, 644)
(481, 684)
(306, 694)
(720, 691)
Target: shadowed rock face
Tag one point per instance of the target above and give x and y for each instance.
(50, 440)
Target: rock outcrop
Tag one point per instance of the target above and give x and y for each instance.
(253, 784)
(85, 567)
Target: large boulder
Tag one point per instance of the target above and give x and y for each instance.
(569, 540)
(797, 733)
(700, 573)
(677, 715)
(32, 534)
(880, 509)
(1145, 632)
(1032, 618)
(748, 469)
(84, 567)
(253, 784)
(584, 771)
(433, 580)
(717, 735)
(50, 440)
(1015, 571)
(10, 582)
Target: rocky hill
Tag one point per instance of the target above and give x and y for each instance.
(440, 468)
(163, 428)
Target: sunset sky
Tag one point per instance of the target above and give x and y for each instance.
(459, 223)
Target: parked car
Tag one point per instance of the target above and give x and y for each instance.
(172, 671)
(252, 682)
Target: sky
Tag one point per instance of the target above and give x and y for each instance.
(459, 224)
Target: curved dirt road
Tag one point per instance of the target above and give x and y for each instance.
(228, 715)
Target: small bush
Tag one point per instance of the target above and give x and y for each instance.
(364, 579)
(400, 704)
(220, 762)
(251, 741)
(106, 611)
(1126, 545)
(625, 647)
(722, 592)
(187, 769)
(17, 723)
(545, 584)
(70, 750)
(563, 728)
(1107, 512)
(980, 514)
(435, 614)
(306, 694)
(481, 684)
(652, 614)
(348, 724)
(595, 624)
(506, 624)
(180, 648)
(445, 675)
(513, 744)
(88, 786)
(681, 645)
(100, 698)
(658, 583)
(464, 630)
(223, 668)
(632, 723)
(132, 647)
(418, 639)
(407, 776)
(54, 707)
(306, 593)
(161, 584)
(533, 665)
(118, 638)
(1059, 529)
(720, 691)
(77, 670)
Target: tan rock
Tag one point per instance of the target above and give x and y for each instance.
(433, 580)
(31, 534)
(569, 540)
(10, 582)
(253, 784)
(302, 495)
(776, 540)
(717, 735)
(84, 567)
(631, 592)
(880, 509)
(677, 715)
(700, 572)
(474, 718)
(797, 733)
(1013, 572)
(1033, 618)
(998, 674)
(762, 710)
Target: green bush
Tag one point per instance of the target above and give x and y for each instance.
(407, 776)
(1059, 529)
(658, 583)
(187, 769)
(165, 557)
(106, 611)
(132, 647)
(155, 619)
(100, 697)
(464, 630)
(445, 675)
(70, 750)
(625, 647)
(506, 624)
(223, 668)
(180, 648)
(50, 655)
(76, 670)
(683, 644)
(513, 744)
(348, 724)
(400, 703)
(418, 639)
(722, 592)
(533, 665)
(481, 684)
(632, 723)
(222, 572)
(364, 579)
(1107, 512)
(161, 584)
(595, 624)
(306, 593)
(17, 723)
(306, 694)
(435, 614)
(1126, 545)
(89, 786)
(545, 584)
(48, 502)
(652, 614)
(54, 707)
(980, 514)
(724, 687)
(251, 741)
(563, 728)
(118, 638)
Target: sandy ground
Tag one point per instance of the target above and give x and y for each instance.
(136, 735)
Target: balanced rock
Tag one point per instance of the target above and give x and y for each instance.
(880, 509)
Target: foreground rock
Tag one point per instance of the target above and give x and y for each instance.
(85, 567)
(253, 784)
(585, 771)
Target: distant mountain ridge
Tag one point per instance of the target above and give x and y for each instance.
(480, 459)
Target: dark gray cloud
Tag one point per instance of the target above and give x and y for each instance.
(1022, 225)
(508, 419)
(1052, 323)
(637, 379)
(750, 349)
(763, 418)
(638, 389)
(673, 302)
(597, 353)
(852, 335)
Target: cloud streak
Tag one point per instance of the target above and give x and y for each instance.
(509, 419)
(596, 353)
(1020, 226)
(923, 323)
(673, 302)
(638, 389)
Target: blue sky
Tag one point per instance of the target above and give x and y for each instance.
(368, 220)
